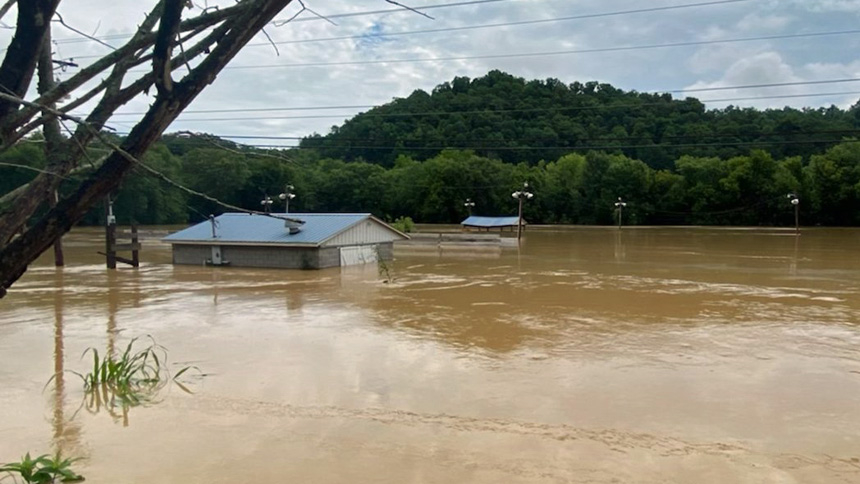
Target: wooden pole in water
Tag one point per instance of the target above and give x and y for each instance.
(59, 260)
(135, 253)
(110, 235)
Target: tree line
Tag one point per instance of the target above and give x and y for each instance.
(504, 117)
(749, 189)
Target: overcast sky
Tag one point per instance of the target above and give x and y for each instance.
(260, 78)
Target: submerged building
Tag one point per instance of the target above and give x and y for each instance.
(285, 241)
(478, 223)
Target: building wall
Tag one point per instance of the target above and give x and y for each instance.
(191, 254)
(329, 257)
(269, 257)
(363, 233)
(244, 256)
(386, 251)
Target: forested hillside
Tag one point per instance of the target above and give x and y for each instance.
(508, 118)
(579, 147)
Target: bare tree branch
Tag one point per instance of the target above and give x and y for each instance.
(280, 23)
(235, 33)
(410, 9)
(143, 39)
(19, 64)
(30, 168)
(168, 28)
(277, 52)
(318, 15)
(47, 182)
(82, 34)
(5, 8)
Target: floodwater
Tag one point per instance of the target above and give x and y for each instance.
(585, 356)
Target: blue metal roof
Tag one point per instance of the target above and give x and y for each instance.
(236, 228)
(475, 221)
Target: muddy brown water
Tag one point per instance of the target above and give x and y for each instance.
(585, 355)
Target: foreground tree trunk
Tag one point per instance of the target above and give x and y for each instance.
(213, 38)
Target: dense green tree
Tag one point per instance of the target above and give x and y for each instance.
(515, 120)
(144, 199)
(835, 185)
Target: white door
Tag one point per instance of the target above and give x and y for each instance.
(216, 255)
(356, 255)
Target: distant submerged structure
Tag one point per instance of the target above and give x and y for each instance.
(285, 241)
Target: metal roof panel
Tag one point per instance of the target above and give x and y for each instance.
(476, 221)
(260, 229)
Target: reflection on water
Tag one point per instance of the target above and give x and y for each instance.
(588, 355)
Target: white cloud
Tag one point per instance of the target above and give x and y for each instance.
(282, 85)
(771, 68)
(828, 5)
(759, 23)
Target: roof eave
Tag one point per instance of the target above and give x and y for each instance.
(241, 243)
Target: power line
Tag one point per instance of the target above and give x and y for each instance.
(510, 24)
(602, 106)
(487, 26)
(564, 148)
(75, 40)
(533, 110)
(580, 148)
(627, 48)
(790, 134)
(549, 53)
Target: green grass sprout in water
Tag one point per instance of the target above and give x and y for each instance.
(42, 470)
(135, 377)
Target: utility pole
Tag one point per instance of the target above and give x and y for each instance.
(469, 204)
(619, 205)
(795, 200)
(520, 196)
(287, 196)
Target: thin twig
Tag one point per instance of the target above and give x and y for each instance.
(280, 23)
(31, 168)
(184, 58)
(318, 15)
(410, 9)
(82, 34)
(6, 6)
(80, 146)
(277, 52)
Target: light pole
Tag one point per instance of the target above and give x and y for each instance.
(469, 204)
(266, 202)
(287, 196)
(619, 205)
(521, 195)
(795, 200)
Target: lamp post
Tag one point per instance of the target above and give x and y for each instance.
(795, 200)
(619, 205)
(520, 196)
(469, 204)
(266, 202)
(287, 196)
